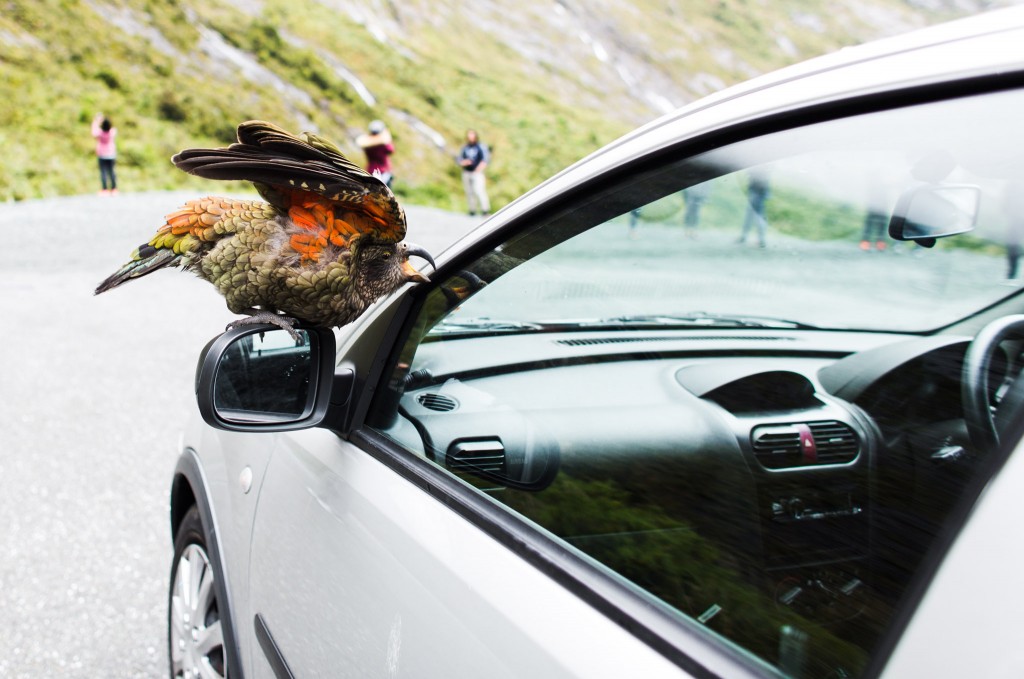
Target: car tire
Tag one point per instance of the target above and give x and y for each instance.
(195, 635)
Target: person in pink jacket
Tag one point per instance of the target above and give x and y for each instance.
(106, 152)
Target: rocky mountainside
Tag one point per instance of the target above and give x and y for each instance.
(545, 81)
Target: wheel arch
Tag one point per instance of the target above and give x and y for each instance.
(182, 497)
(187, 489)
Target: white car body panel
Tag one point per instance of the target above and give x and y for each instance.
(386, 546)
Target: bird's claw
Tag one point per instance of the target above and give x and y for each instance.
(284, 322)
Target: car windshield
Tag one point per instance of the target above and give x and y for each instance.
(785, 230)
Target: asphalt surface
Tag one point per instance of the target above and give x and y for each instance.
(93, 394)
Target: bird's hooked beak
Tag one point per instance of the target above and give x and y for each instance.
(412, 274)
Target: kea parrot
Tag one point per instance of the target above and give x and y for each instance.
(324, 246)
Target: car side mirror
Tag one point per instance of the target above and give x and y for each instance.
(259, 378)
(926, 213)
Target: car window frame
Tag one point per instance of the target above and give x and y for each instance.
(692, 648)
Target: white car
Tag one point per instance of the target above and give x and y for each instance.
(735, 396)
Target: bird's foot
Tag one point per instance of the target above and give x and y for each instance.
(283, 322)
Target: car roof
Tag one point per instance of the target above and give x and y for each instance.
(985, 44)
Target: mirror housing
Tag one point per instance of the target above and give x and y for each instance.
(256, 378)
(931, 211)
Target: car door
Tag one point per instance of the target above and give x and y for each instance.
(357, 571)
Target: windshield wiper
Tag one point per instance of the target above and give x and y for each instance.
(483, 324)
(703, 319)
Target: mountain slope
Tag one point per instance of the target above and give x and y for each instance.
(545, 81)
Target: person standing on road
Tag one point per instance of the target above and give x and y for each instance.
(473, 158)
(378, 147)
(1013, 204)
(693, 199)
(757, 194)
(876, 219)
(106, 152)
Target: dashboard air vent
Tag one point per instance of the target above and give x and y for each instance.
(477, 456)
(835, 441)
(784, 446)
(438, 402)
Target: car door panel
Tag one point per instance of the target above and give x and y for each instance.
(357, 572)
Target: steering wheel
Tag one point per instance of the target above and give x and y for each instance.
(983, 428)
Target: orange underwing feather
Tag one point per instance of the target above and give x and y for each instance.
(315, 214)
(304, 171)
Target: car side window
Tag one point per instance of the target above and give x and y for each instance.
(726, 378)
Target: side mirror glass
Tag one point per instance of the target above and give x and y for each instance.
(258, 378)
(926, 213)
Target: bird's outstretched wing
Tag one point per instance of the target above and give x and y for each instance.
(308, 178)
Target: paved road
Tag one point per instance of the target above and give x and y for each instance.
(93, 391)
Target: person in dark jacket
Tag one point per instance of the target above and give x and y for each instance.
(473, 158)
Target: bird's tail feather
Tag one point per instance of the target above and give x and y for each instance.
(145, 260)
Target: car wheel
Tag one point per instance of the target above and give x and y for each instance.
(195, 635)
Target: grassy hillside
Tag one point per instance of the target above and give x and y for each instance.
(544, 82)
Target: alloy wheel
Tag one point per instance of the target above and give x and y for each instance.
(196, 635)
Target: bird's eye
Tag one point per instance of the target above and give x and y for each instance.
(386, 255)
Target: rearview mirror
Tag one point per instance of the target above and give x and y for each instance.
(925, 213)
(258, 378)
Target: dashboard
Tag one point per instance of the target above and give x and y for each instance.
(799, 458)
